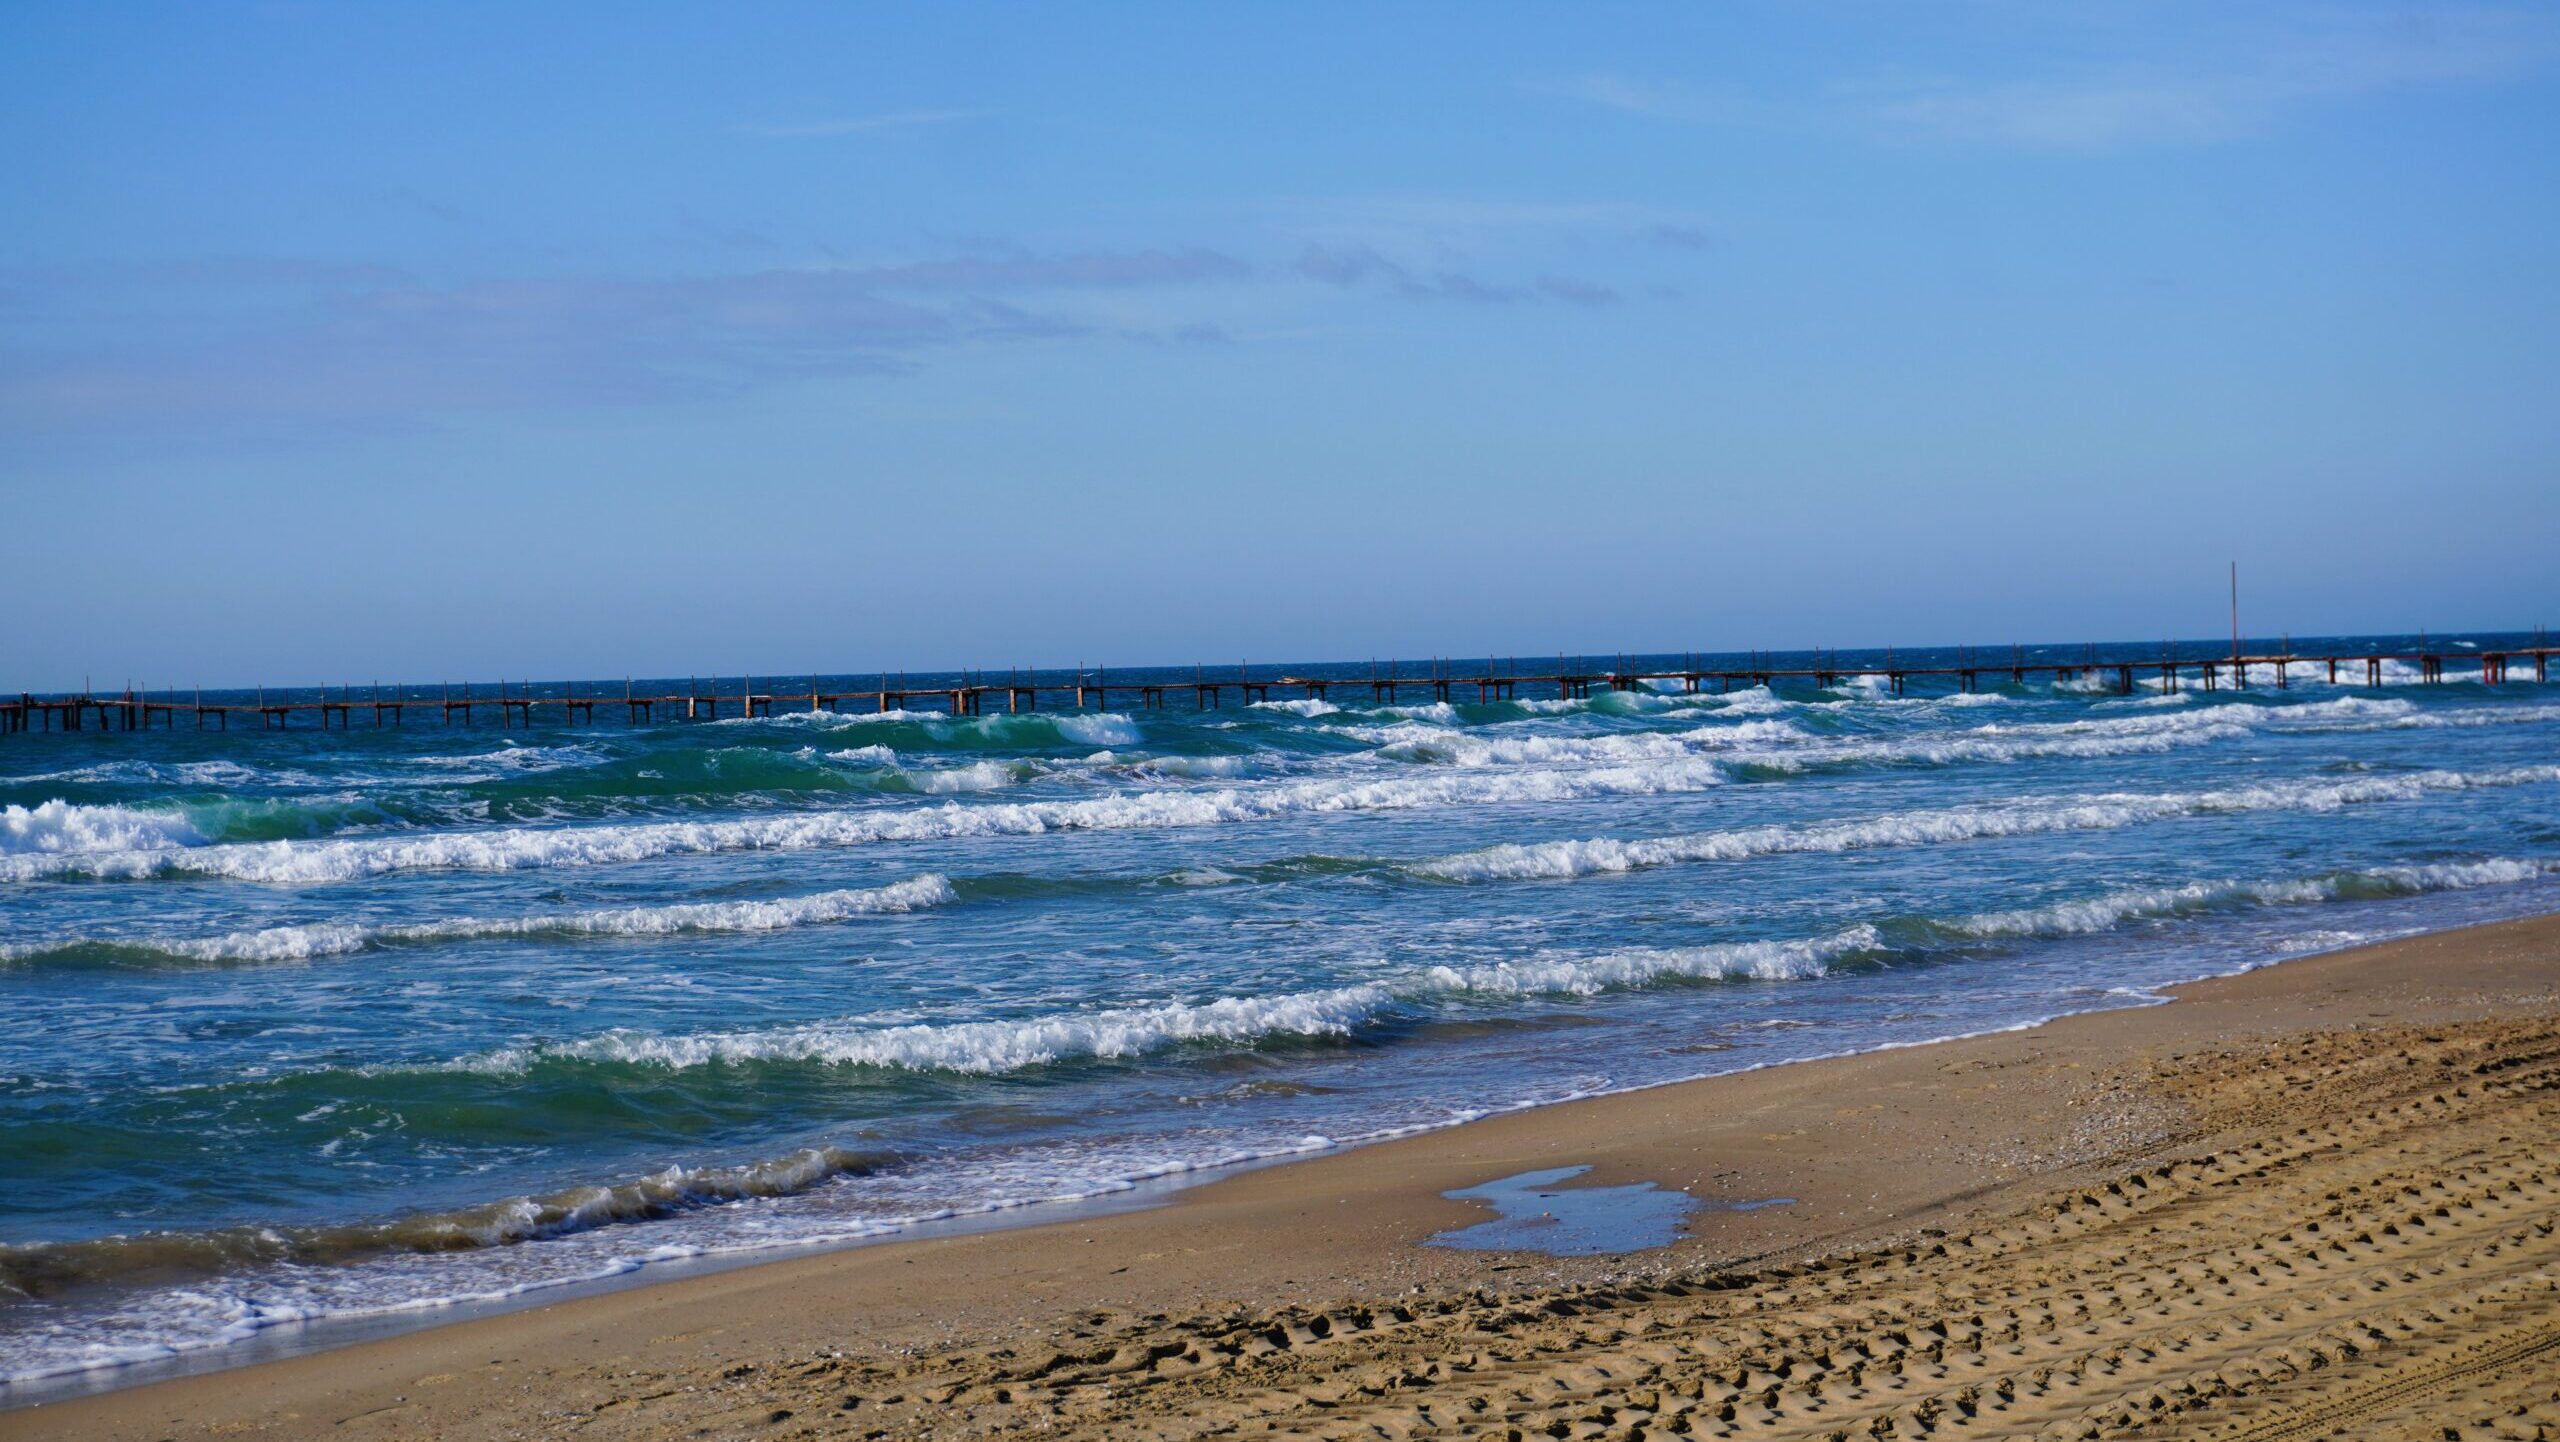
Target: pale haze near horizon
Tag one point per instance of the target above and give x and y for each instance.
(350, 342)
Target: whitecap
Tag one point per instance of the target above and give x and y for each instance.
(521, 848)
(325, 939)
(61, 829)
(1559, 860)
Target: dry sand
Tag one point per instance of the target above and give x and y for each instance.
(2316, 1200)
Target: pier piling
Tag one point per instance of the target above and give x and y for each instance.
(135, 708)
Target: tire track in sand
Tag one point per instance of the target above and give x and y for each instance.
(2368, 1246)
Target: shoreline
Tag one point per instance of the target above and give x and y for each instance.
(1346, 1222)
(287, 1338)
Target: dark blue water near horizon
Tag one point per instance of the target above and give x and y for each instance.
(317, 1024)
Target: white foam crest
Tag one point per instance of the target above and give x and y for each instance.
(274, 944)
(982, 1047)
(1437, 712)
(184, 773)
(2335, 708)
(1999, 744)
(1791, 748)
(995, 1047)
(2105, 913)
(1460, 748)
(2136, 733)
(1641, 702)
(2411, 718)
(2262, 674)
(1188, 767)
(521, 760)
(525, 848)
(1747, 733)
(2460, 875)
(1613, 703)
(1474, 749)
(303, 943)
(62, 829)
(957, 780)
(1561, 860)
(1309, 706)
(835, 720)
(1786, 748)
(1874, 690)
(2350, 673)
(1753, 701)
(580, 1209)
(991, 1047)
(1102, 728)
(1089, 728)
(1619, 970)
(864, 756)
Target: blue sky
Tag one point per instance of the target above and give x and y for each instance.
(345, 340)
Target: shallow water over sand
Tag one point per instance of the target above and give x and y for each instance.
(1542, 1211)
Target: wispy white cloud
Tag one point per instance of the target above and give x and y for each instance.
(2232, 85)
(250, 343)
(887, 124)
(1348, 266)
(398, 349)
(2105, 80)
(1446, 247)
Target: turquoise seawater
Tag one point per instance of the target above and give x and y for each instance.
(311, 1024)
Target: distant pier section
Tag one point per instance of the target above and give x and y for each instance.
(975, 693)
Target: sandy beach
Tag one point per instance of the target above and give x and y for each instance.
(2312, 1200)
(895, 722)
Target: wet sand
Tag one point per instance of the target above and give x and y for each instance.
(2319, 1199)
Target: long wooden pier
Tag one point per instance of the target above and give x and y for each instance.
(975, 694)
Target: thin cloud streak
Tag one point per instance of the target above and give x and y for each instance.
(395, 352)
(1347, 266)
(2220, 98)
(316, 344)
(2189, 90)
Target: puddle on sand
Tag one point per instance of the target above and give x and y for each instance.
(1537, 1213)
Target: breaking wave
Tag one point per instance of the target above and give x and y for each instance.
(324, 939)
(519, 848)
(1785, 747)
(996, 1047)
(1310, 706)
(1559, 860)
(924, 729)
(2106, 913)
(45, 1269)
(59, 828)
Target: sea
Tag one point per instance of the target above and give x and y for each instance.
(305, 1027)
